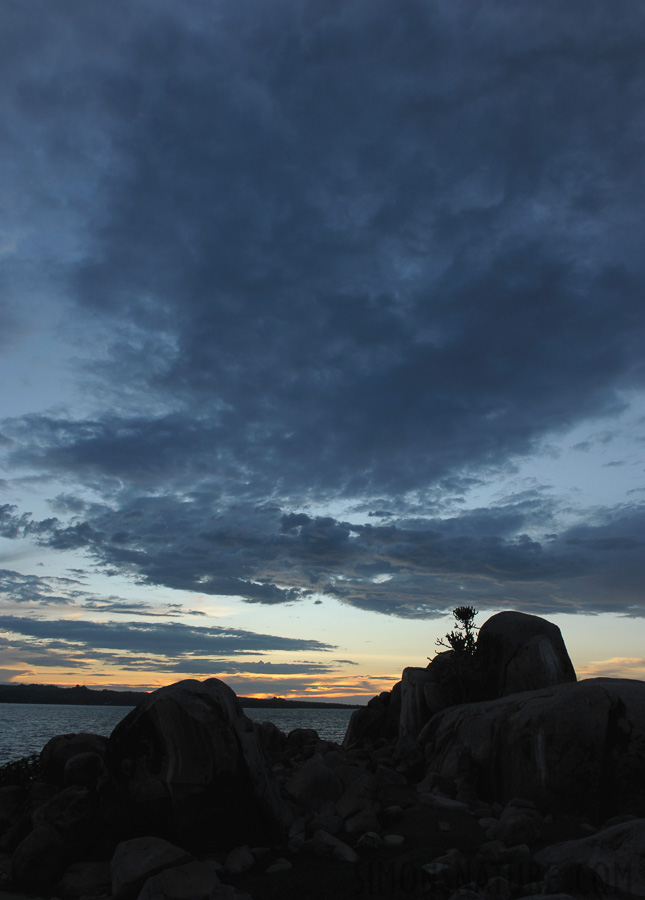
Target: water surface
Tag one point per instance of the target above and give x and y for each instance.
(25, 728)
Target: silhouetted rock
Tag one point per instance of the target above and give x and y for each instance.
(85, 769)
(616, 855)
(60, 749)
(379, 720)
(572, 747)
(137, 860)
(514, 652)
(415, 711)
(519, 652)
(40, 859)
(191, 881)
(74, 814)
(85, 879)
(189, 764)
(314, 783)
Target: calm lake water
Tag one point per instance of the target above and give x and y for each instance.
(25, 728)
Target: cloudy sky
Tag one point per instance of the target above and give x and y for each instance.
(318, 319)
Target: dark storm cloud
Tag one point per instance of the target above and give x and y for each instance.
(507, 555)
(169, 640)
(331, 250)
(394, 249)
(38, 591)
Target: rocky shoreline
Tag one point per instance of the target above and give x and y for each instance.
(496, 777)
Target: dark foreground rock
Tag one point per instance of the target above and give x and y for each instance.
(189, 766)
(572, 748)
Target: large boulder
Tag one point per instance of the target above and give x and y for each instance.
(190, 768)
(519, 652)
(575, 748)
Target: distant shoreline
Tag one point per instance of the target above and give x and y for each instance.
(83, 696)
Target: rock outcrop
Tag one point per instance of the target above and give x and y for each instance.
(379, 720)
(571, 747)
(518, 652)
(514, 652)
(189, 765)
(616, 854)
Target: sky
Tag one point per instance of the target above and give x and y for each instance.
(318, 319)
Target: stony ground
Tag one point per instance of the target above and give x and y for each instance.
(391, 873)
(383, 873)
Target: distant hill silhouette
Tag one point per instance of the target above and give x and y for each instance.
(83, 696)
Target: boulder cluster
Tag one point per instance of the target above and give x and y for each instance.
(487, 776)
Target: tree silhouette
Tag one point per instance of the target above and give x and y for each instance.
(462, 638)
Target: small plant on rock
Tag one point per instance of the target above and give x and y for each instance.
(462, 639)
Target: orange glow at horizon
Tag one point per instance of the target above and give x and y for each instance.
(336, 687)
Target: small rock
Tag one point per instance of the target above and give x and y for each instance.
(498, 888)
(88, 879)
(369, 841)
(314, 783)
(468, 892)
(517, 829)
(227, 892)
(491, 851)
(295, 844)
(359, 795)
(618, 820)
(362, 821)
(575, 878)
(393, 813)
(438, 801)
(137, 860)
(517, 854)
(40, 859)
(446, 866)
(492, 828)
(40, 792)
(239, 860)
(58, 750)
(483, 812)
(546, 897)
(393, 840)
(521, 803)
(280, 865)
(297, 826)
(388, 775)
(326, 844)
(192, 881)
(325, 821)
(84, 769)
